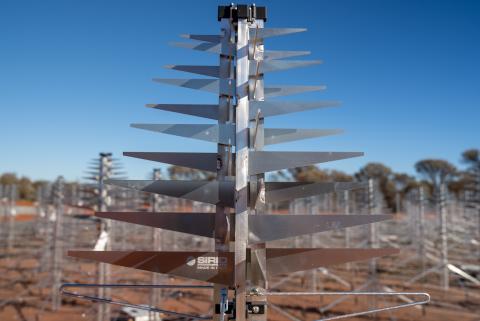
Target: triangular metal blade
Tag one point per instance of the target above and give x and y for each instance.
(201, 224)
(211, 71)
(215, 48)
(267, 108)
(264, 67)
(261, 33)
(284, 260)
(206, 38)
(223, 86)
(208, 85)
(222, 133)
(274, 108)
(263, 228)
(203, 266)
(205, 111)
(202, 161)
(278, 65)
(284, 90)
(262, 162)
(279, 54)
(270, 227)
(225, 133)
(282, 135)
(211, 192)
(286, 191)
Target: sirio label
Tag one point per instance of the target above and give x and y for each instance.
(207, 262)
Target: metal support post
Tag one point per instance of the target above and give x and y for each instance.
(346, 208)
(444, 236)
(104, 270)
(156, 294)
(12, 212)
(241, 170)
(373, 236)
(421, 227)
(58, 199)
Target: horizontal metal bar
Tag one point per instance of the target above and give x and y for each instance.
(119, 285)
(343, 293)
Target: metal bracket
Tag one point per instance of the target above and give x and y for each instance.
(65, 286)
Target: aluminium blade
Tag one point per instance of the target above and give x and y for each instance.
(91, 172)
(286, 191)
(261, 33)
(279, 65)
(279, 54)
(283, 135)
(263, 67)
(201, 224)
(206, 38)
(225, 133)
(201, 161)
(203, 266)
(219, 133)
(211, 192)
(284, 260)
(215, 48)
(211, 71)
(270, 227)
(223, 86)
(285, 90)
(262, 162)
(274, 108)
(267, 108)
(209, 85)
(199, 110)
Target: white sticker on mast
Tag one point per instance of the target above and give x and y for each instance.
(101, 243)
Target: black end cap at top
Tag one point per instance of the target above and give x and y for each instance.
(242, 11)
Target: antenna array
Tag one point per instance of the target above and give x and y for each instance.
(241, 263)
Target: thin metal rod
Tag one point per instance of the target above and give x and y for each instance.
(136, 286)
(344, 293)
(354, 314)
(120, 285)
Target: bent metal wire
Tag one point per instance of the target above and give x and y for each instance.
(64, 291)
(64, 287)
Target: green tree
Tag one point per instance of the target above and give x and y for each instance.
(471, 177)
(471, 158)
(314, 174)
(436, 172)
(383, 176)
(185, 173)
(403, 184)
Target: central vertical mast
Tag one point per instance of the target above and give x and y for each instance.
(241, 166)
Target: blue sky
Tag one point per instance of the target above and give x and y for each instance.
(75, 74)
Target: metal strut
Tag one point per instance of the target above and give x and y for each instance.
(63, 291)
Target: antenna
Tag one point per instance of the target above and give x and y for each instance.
(241, 262)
